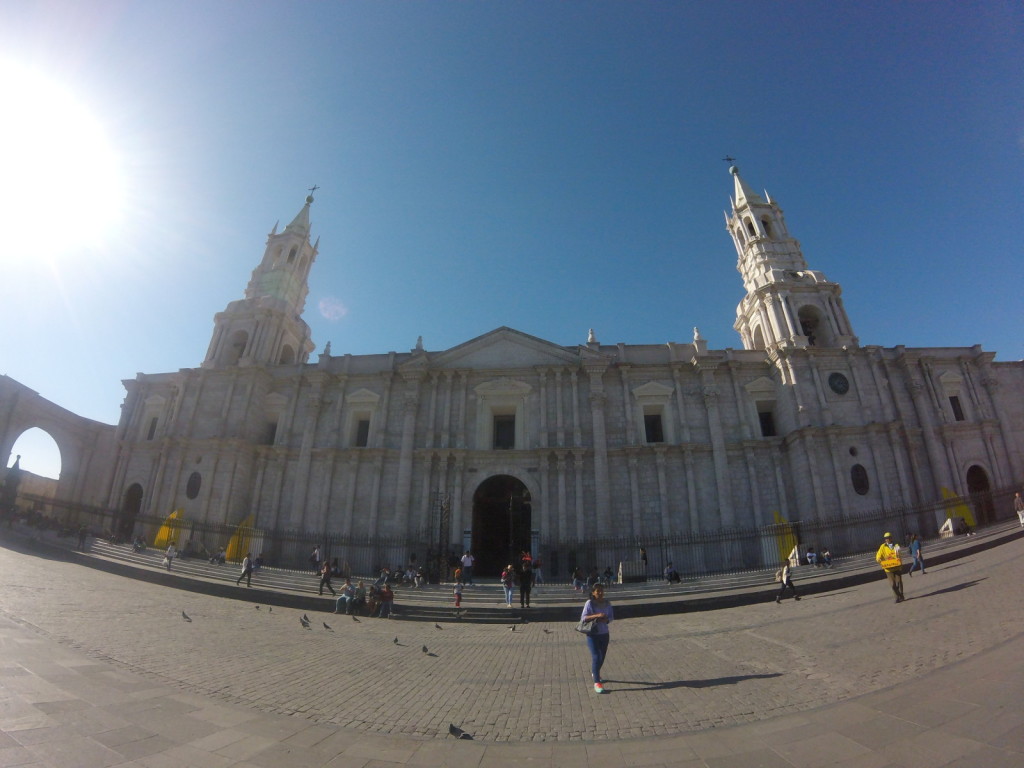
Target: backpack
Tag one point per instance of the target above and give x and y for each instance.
(778, 575)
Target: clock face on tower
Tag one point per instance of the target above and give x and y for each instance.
(839, 383)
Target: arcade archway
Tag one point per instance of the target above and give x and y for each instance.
(502, 515)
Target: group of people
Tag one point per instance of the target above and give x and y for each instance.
(377, 601)
(583, 582)
(522, 574)
(889, 558)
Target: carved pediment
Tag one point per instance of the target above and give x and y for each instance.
(652, 390)
(761, 386)
(275, 402)
(505, 348)
(362, 397)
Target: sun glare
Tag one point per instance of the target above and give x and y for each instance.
(60, 181)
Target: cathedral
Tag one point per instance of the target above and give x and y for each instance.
(511, 441)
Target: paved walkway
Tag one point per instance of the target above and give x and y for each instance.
(100, 670)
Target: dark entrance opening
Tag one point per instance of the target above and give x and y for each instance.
(129, 509)
(501, 523)
(981, 495)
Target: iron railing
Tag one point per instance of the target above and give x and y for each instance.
(694, 555)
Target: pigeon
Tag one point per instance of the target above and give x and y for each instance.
(512, 628)
(396, 641)
(458, 733)
(257, 607)
(305, 618)
(355, 619)
(547, 631)
(326, 625)
(185, 616)
(270, 609)
(438, 626)
(425, 649)
(303, 622)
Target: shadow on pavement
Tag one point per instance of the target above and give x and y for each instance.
(649, 685)
(954, 588)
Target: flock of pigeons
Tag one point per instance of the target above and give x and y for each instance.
(304, 620)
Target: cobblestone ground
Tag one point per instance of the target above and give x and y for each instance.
(666, 675)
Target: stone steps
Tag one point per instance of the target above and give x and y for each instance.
(484, 602)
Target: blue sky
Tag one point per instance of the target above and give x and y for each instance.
(546, 166)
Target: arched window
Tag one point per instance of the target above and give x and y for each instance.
(750, 228)
(814, 327)
(758, 338)
(233, 350)
(287, 355)
(767, 224)
(292, 254)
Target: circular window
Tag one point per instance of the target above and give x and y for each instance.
(195, 480)
(859, 478)
(839, 383)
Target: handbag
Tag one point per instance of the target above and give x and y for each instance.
(586, 627)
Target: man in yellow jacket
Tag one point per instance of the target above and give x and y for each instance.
(888, 556)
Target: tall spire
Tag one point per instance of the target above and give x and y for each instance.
(743, 193)
(300, 224)
(266, 327)
(787, 303)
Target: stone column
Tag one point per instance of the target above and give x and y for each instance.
(602, 505)
(403, 486)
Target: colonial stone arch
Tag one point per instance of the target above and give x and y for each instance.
(85, 446)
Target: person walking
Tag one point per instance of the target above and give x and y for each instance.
(325, 578)
(888, 556)
(1018, 507)
(467, 568)
(246, 571)
(785, 579)
(507, 580)
(918, 555)
(169, 555)
(599, 611)
(525, 583)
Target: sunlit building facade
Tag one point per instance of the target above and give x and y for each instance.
(512, 440)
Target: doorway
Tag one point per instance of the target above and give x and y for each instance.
(981, 497)
(125, 527)
(502, 515)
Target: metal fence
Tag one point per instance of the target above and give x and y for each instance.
(694, 555)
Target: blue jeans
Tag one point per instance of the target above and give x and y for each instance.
(918, 564)
(598, 645)
(508, 595)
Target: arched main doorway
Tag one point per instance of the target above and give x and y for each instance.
(502, 515)
(129, 509)
(981, 497)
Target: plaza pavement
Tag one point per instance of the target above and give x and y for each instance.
(102, 670)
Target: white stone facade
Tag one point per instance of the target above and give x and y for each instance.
(534, 441)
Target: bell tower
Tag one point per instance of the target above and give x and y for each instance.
(787, 304)
(266, 327)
